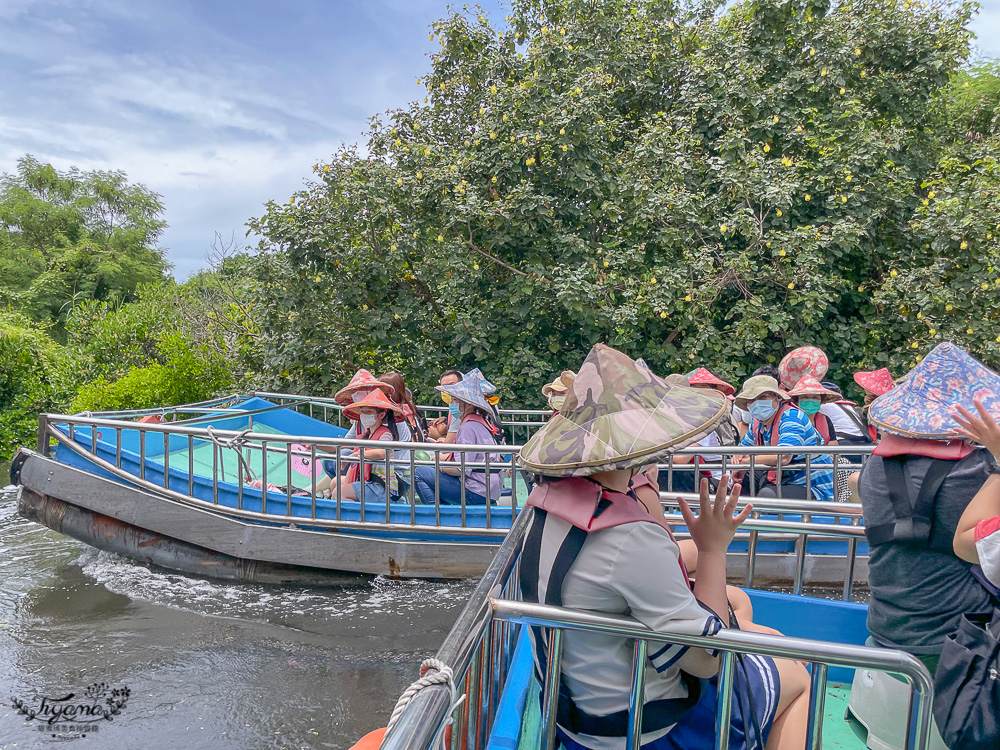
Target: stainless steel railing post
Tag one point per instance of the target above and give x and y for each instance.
(817, 707)
(550, 700)
(724, 712)
(633, 740)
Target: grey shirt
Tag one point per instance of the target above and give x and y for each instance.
(918, 594)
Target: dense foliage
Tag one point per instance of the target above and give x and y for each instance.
(694, 186)
(73, 236)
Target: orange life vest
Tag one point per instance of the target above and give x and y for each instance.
(354, 470)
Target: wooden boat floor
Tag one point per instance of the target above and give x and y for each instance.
(837, 732)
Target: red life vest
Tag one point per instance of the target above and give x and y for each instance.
(822, 426)
(575, 500)
(354, 470)
(772, 476)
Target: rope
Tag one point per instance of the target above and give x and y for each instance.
(441, 675)
(236, 443)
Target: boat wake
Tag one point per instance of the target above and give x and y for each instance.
(377, 597)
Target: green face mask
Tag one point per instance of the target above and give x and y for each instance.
(556, 402)
(810, 405)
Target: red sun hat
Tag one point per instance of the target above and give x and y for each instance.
(376, 399)
(875, 382)
(810, 386)
(702, 376)
(806, 360)
(362, 380)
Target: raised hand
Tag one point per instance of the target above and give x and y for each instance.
(982, 429)
(715, 525)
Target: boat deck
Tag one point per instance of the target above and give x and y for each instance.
(838, 733)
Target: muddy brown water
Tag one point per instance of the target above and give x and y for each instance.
(206, 664)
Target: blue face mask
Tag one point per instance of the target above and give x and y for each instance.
(454, 409)
(762, 410)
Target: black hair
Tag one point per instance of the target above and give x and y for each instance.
(456, 373)
(768, 370)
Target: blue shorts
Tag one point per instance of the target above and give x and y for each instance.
(696, 729)
(374, 491)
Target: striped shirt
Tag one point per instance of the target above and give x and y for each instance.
(794, 428)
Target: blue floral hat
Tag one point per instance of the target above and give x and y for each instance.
(469, 390)
(920, 406)
(486, 386)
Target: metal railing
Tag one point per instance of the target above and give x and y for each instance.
(99, 441)
(479, 651)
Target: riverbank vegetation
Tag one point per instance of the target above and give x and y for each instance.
(693, 186)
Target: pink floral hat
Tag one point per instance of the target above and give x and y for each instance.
(806, 360)
(702, 376)
(876, 382)
(362, 381)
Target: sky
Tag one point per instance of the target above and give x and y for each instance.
(218, 105)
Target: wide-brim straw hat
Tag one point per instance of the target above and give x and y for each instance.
(362, 380)
(806, 360)
(702, 376)
(618, 415)
(875, 381)
(756, 386)
(560, 385)
(377, 400)
(468, 390)
(922, 403)
(485, 386)
(811, 387)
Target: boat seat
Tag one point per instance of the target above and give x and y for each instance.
(878, 704)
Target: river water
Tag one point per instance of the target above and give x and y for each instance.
(208, 665)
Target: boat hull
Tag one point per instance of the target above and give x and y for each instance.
(161, 531)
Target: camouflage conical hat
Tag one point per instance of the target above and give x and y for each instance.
(618, 415)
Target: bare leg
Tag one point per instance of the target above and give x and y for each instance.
(788, 732)
(346, 490)
(742, 606)
(323, 483)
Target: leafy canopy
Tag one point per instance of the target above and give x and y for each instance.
(72, 236)
(694, 186)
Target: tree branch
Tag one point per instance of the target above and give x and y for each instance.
(485, 254)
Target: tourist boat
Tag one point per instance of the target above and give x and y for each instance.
(181, 488)
(862, 697)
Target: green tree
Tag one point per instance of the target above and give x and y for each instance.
(691, 185)
(71, 236)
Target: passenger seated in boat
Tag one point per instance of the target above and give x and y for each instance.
(914, 491)
(874, 383)
(474, 429)
(592, 546)
(412, 425)
(977, 538)
(377, 416)
(724, 434)
(777, 422)
(555, 392)
(809, 395)
(444, 429)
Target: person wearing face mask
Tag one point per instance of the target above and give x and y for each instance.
(809, 395)
(377, 418)
(444, 429)
(555, 392)
(475, 428)
(775, 421)
(361, 385)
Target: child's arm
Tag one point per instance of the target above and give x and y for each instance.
(986, 504)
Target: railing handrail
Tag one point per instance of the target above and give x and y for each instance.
(183, 429)
(822, 653)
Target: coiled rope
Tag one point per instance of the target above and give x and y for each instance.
(236, 443)
(432, 672)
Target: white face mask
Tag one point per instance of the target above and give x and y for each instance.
(358, 395)
(556, 402)
(368, 420)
